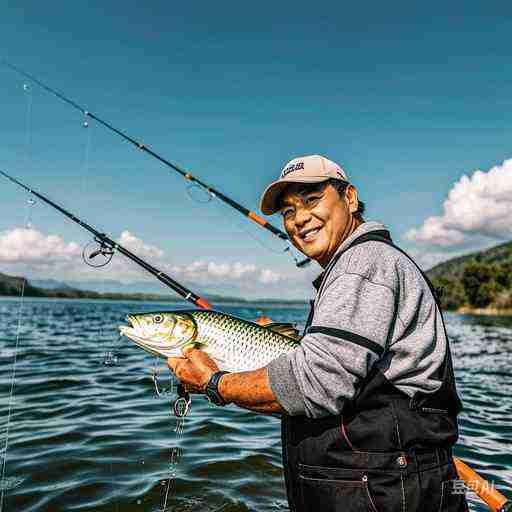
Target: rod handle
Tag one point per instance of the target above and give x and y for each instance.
(487, 492)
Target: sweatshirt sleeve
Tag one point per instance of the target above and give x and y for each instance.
(351, 325)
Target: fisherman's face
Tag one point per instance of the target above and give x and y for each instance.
(317, 219)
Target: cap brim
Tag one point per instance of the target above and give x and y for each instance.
(269, 203)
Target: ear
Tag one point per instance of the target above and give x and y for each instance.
(352, 200)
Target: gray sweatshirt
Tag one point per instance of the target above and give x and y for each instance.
(374, 308)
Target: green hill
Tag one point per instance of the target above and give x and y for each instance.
(498, 254)
(481, 279)
(12, 285)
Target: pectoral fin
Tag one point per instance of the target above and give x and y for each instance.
(285, 329)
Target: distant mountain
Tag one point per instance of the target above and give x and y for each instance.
(12, 286)
(495, 255)
(113, 286)
(50, 284)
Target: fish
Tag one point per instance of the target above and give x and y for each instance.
(235, 344)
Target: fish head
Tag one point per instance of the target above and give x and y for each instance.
(163, 333)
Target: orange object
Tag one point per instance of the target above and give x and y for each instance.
(483, 488)
(203, 303)
(256, 218)
(263, 320)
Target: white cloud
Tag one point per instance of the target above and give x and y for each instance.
(38, 255)
(478, 208)
(435, 232)
(21, 245)
(268, 276)
(136, 245)
(428, 259)
(213, 271)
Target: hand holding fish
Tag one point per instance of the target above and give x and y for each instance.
(194, 370)
(226, 343)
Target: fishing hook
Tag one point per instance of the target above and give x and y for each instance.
(160, 392)
(182, 404)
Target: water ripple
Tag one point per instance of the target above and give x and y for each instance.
(85, 436)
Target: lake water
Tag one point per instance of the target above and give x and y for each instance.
(85, 435)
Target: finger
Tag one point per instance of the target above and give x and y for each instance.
(172, 362)
(191, 351)
(176, 364)
(202, 360)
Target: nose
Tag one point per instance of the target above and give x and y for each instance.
(302, 216)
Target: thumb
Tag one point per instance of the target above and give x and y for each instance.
(172, 362)
(200, 359)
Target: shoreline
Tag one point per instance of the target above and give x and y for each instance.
(466, 310)
(161, 299)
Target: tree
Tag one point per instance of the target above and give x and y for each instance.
(479, 285)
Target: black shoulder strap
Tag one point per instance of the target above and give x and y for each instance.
(381, 235)
(388, 241)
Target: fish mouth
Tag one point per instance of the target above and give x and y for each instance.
(134, 324)
(133, 329)
(148, 345)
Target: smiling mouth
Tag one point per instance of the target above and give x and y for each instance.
(309, 234)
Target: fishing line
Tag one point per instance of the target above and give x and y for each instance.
(198, 194)
(287, 245)
(3, 487)
(251, 215)
(181, 407)
(28, 119)
(85, 172)
(175, 455)
(182, 404)
(160, 391)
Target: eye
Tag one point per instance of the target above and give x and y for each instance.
(158, 319)
(310, 200)
(287, 212)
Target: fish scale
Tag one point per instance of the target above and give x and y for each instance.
(235, 344)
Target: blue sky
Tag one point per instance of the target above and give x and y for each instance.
(407, 97)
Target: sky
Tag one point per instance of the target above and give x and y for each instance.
(411, 99)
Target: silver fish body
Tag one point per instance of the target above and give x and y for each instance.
(233, 343)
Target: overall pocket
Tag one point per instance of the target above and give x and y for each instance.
(333, 489)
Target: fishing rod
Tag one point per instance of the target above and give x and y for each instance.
(260, 221)
(107, 247)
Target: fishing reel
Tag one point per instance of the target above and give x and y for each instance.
(97, 248)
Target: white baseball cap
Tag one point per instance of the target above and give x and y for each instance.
(304, 169)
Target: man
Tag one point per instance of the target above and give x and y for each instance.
(368, 400)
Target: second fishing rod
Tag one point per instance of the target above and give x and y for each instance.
(251, 215)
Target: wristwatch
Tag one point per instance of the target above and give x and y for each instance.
(212, 389)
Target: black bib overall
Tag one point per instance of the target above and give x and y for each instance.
(387, 452)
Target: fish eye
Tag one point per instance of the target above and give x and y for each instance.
(158, 319)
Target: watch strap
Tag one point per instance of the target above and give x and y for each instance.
(212, 389)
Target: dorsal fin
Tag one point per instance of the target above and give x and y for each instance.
(285, 329)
